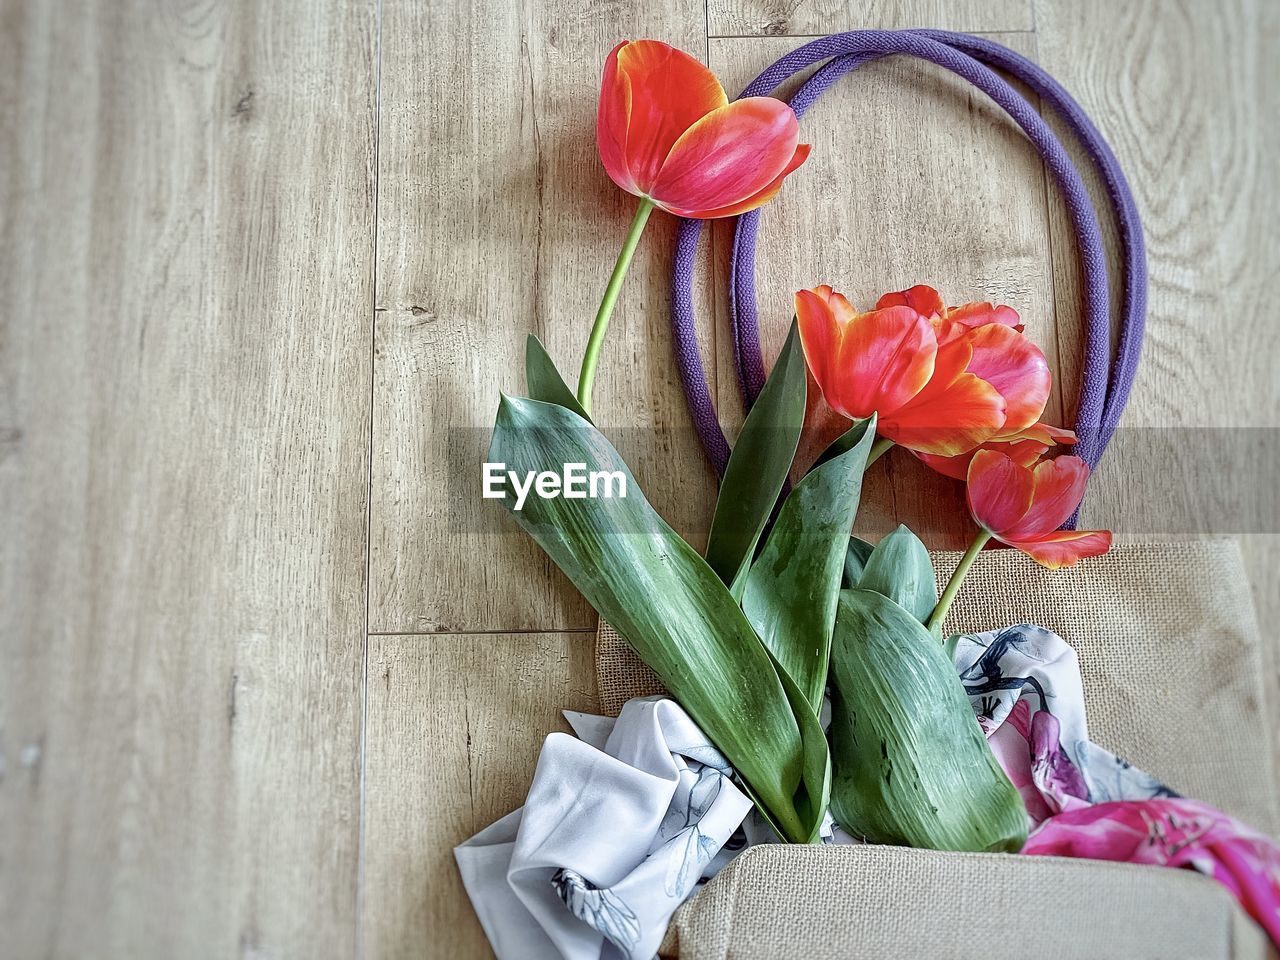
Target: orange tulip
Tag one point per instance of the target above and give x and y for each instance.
(942, 382)
(1024, 448)
(667, 133)
(1024, 506)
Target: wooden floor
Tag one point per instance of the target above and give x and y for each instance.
(266, 656)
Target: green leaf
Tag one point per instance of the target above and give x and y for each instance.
(791, 591)
(814, 796)
(544, 380)
(899, 568)
(758, 465)
(855, 561)
(911, 766)
(661, 596)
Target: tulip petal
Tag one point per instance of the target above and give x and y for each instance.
(1059, 488)
(954, 413)
(981, 314)
(753, 201)
(1064, 547)
(728, 156)
(957, 321)
(822, 316)
(949, 423)
(923, 299)
(820, 335)
(1014, 365)
(1022, 452)
(870, 362)
(1046, 434)
(888, 357)
(957, 467)
(611, 123)
(840, 306)
(999, 490)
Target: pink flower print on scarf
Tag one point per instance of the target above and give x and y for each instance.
(1172, 832)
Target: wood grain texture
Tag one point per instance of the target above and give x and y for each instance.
(1203, 169)
(455, 726)
(752, 18)
(496, 219)
(193, 197)
(1204, 165)
(187, 199)
(914, 177)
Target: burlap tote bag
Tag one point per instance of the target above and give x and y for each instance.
(1166, 636)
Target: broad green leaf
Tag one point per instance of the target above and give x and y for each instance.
(814, 795)
(661, 596)
(544, 380)
(899, 568)
(791, 591)
(758, 465)
(855, 561)
(910, 764)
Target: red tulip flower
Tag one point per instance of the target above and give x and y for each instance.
(1024, 506)
(942, 382)
(667, 133)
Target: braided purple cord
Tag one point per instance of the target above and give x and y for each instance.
(852, 52)
(685, 338)
(1133, 312)
(1103, 396)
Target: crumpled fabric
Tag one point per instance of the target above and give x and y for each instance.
(1025, 688)
(617, 829)
(622, 824)
(1083, 801)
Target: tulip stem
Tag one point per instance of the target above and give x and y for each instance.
(878, 450)
(953, 585)
(589, 359)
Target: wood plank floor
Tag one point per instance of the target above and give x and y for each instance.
(265, 656)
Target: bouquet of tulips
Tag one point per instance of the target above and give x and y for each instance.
(785, 606)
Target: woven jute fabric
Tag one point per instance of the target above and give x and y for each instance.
(1168, 646)
(875, 903)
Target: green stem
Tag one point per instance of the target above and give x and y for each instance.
(878, 450)
(589, 359)
(953, 585)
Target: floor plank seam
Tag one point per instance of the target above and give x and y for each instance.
(520, 631)
(361, 850)
(822, 36)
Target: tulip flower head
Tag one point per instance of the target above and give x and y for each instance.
(1023, 506)
(942, 382)
(667, 133)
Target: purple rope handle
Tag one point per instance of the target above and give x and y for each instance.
(1104, 391)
